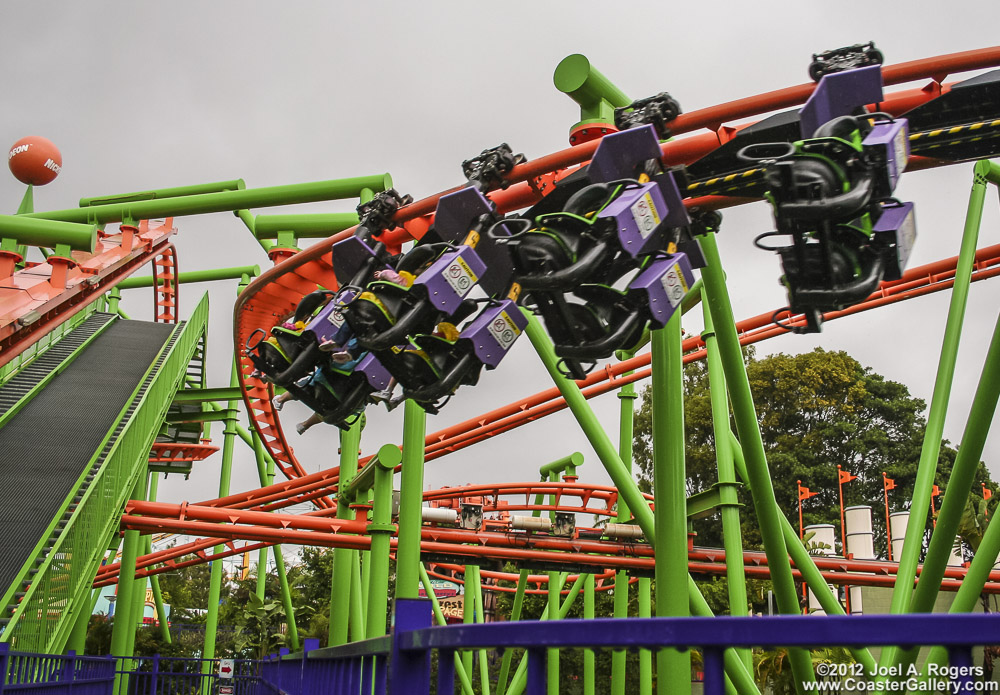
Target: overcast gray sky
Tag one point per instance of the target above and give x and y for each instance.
(140, 96)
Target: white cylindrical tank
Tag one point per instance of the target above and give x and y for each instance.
(823, 542)
(439, 515)
(860, 545)
(897, 532)
(624, 531)
(824, 539)
(956, 559)
(530, 523)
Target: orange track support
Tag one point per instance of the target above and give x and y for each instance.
(165, 289)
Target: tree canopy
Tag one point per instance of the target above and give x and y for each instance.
(816, 410)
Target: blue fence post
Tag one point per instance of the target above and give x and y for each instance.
(410, 671)
(446, 671)
(537, 672)
(156, 672)
(960, 658)
(715, 677)
(4, 664)
(68, 674)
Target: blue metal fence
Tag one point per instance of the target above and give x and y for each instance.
(22, 673)
(361, 668)
(157, 675)
(401, 664)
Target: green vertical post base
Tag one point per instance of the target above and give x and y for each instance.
(261, 589)
(620, 475)
(731, 529)
(645, 656)
(381, 532)
(589, 661)
(411, 501)
(344, 559)
(902, 591)
(761, 490)
(286, 600)
(673, 667)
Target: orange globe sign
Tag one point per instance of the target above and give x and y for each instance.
(34, 160)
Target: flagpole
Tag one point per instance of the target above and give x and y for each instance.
(888, 530)
(843, 534)
(800, 508)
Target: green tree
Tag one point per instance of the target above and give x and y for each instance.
(816, 410)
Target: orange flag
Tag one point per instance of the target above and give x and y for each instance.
(987, 493)
(846, 477)
(890, 484)
(805, 493)
(936, 492)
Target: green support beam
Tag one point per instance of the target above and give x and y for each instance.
(315, 226)
(902, 591)
(410, 502)
(344, 559)
(761, 490)
(626, 419)
(584, 84)
(161, 193)
(381, 531)
(193, 276)
(673, 666)
(78, 236)
(622, 478)
(727, 487)
(228, 393)
(223, 201)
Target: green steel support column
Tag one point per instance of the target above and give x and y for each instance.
(344, 559)
(411, 500)
(957, 493)
(731, 534)
(673, 667)
(972, 586)
(154, 581)
(626, 424)
(357, 602)
(261, 590)
(761, 490)
(622, 478)
(484, 666)
(468, 608)
(927, 467)
(138, 585)
(520, 677)
(589, 661)
(123, 602)
(381, 530)
(460, 671)
(804, 563)
(114, 297)
(515, 614)
(552, 611)
(645, 656)
(77, 641)
(262, 474)
(215, 586)
(286, 600)
(366, 569)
